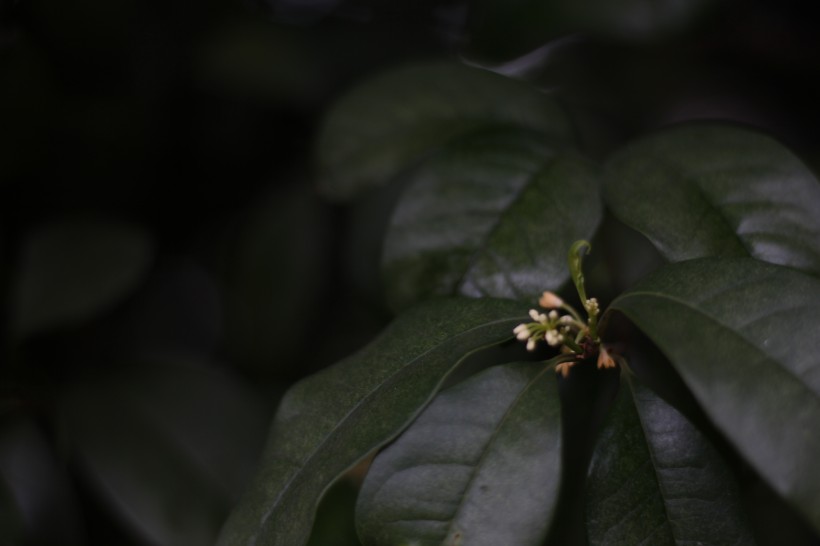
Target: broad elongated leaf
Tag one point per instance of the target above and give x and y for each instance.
(655, 479)
(74, 269)
(492, 215)
(743, 335)
(702, 190)
(481, 465)
(394, 119)
(330, 421)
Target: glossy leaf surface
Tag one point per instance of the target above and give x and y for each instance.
(491, 215)
(702, 190)
(480, 465)
(74, 269)
(655, 479)
(743, 336)
(394, 119)
(331, 420)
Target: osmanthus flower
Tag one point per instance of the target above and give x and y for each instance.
(575, 337)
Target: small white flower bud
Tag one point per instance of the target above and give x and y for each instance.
(531, 344)
(550, 301)
(553, 315)
(521, 332)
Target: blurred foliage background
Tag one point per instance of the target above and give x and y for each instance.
(168, 267)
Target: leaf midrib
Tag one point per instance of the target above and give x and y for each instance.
(741, 338)
(490, 441)
(654, 463)
(318, 449)
(549, 161)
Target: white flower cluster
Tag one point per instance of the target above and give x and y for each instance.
(551, 327)
(569, 332)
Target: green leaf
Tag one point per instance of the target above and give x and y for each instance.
(332, 420)
(168, 448)
(743, 336)
(394, 119)
(482, 464)
(75, 269)
(492, 215)
(655, 479)
(700, 190)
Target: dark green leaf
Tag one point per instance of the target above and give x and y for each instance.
(168, 448)
(333, 419)
(656, 480)
(743, 336)
(710, 190)
(72, 270)
(481, 465)
(394, 119)
(492, 215)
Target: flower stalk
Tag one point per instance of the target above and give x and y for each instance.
(575, 337)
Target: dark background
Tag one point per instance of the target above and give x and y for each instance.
(166, 267)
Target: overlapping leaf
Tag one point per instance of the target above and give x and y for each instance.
(394, 119)
(333, 419)
(713, 190)
(743, 335)
(491, 215)
(655, 479)
(479, 466)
